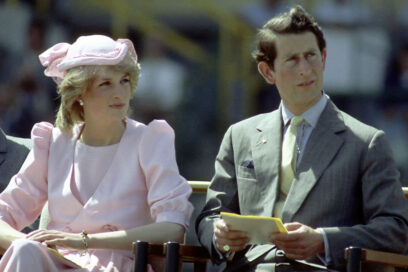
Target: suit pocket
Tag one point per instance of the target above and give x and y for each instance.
(245, 172)
(248, 191)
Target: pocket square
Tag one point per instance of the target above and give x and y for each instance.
(248, 164)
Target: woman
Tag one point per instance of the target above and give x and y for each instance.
(109, 180)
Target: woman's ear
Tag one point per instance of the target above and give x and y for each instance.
(80, 101)
(266, 72)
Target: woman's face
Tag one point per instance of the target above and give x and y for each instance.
(107, 99)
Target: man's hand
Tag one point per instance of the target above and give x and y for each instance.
(236, 240)
(301, 241)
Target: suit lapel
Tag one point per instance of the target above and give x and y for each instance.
(3, 146)
(321, 148)
(266, 146)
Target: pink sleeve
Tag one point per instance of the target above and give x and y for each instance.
(21, 202)
(168, 192)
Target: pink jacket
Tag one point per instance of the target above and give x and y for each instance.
(141, 186)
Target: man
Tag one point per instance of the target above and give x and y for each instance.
(329, 177)
(13, 151)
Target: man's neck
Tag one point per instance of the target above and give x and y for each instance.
(300, 108)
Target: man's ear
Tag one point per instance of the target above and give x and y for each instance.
(266, 72)
(324, 55)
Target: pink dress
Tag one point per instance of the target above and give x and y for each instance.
(142, 185)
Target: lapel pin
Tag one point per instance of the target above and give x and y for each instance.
(264, 141)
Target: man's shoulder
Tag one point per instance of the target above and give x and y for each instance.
(357, 126)
(342, 121)
(253, 121)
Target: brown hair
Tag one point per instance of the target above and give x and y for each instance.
(77, 81)
(296, 21)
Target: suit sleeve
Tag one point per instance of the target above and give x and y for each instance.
(385, 208)
(221, 195)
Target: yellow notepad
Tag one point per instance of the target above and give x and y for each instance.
(258, 227)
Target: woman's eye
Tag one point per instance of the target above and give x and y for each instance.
(105, 83)
(125, 80)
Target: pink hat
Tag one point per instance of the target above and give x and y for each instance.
(86, 50)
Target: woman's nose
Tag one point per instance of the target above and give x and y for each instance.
(119, 90)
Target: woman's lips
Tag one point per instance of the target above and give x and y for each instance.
(117, 106)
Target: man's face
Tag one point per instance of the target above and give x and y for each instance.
(298, 70)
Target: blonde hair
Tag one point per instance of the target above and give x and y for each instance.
(77, 81)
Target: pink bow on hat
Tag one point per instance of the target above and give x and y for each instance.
(86, 50)
(52, 57)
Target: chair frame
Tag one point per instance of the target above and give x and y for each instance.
(174, 253)
(355, 257)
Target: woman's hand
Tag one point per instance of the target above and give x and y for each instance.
(113, 240)
(8, 235)
(54, 238)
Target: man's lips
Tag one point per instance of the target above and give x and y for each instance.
(306, 83)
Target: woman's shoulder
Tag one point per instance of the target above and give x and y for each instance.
(42, 127)
(148, 136)
(41, 134)
(154, 127)
(160, 126)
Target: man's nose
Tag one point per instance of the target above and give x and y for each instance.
(304, 67)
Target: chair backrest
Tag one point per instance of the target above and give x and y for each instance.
(44, 217)
(190, 255)
(197, 198)
(405, 190)
(17, 151)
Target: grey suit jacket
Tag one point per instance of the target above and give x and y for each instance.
(346, 183)
(13, 152)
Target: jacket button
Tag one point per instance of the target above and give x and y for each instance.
(68, 229)
(109, 227)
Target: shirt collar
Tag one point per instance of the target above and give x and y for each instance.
(311, 115)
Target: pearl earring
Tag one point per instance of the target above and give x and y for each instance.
(81, 102)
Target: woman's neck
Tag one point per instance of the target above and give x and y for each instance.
(102, 134)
